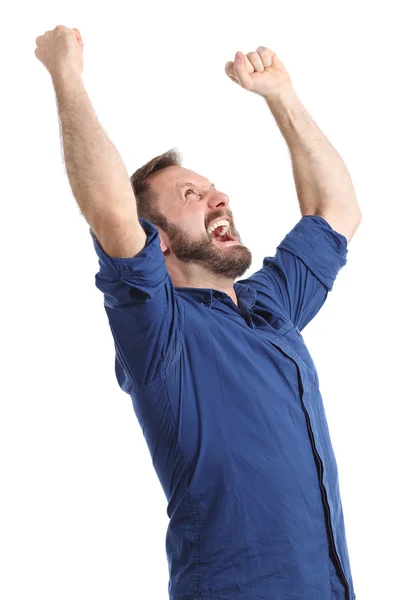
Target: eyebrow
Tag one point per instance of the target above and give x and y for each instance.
(212, 186)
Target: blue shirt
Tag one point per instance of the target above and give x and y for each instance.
(229, 404)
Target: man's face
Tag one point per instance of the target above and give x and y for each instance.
(191, 204)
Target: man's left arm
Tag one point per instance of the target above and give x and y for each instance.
(309, 258)
(323, 183)
(311, 254)
(302, 272)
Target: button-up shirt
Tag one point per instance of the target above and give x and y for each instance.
(229, 404)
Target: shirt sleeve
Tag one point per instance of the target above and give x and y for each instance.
(304, 268)
(142, 309)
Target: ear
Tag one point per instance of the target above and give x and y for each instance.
(162, 244)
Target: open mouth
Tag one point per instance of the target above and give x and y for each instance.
(224, 239)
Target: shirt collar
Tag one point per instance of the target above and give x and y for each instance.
(246, 294)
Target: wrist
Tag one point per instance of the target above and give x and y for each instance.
(65, 73)
(286, 95)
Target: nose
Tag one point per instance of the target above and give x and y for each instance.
(218, 200)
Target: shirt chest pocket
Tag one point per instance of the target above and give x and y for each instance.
(295, 339)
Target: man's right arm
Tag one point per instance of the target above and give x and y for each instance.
(97, 174)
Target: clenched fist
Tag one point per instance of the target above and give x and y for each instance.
(261, 72)
(60, 49)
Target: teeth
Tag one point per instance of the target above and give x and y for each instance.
(223, 231)
(222, 222)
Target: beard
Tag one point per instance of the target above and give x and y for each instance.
(228, 261)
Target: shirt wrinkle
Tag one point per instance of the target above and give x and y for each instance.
(229, 404)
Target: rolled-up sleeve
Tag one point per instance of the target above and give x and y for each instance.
(142, 309)
(304, 268)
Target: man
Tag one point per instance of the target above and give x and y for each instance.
(220, 378)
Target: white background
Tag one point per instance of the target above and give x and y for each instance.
(82, 514)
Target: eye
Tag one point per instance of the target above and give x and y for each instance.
(189, 190)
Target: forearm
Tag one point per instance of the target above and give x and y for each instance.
(97, 175)
(321, 177)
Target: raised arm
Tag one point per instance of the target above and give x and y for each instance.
(98, 177)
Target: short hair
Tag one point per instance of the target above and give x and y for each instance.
(147, 200)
